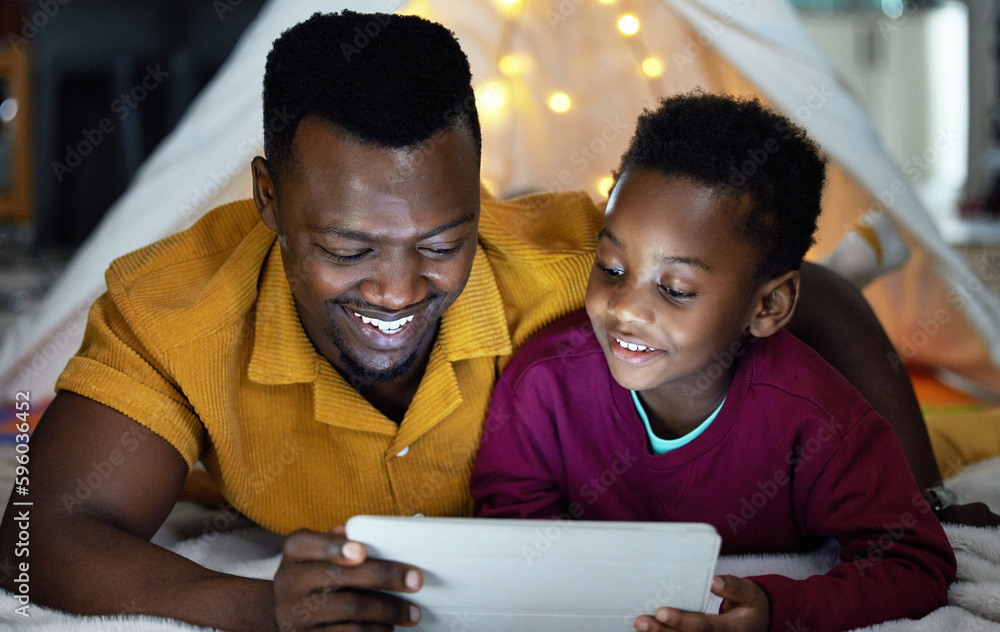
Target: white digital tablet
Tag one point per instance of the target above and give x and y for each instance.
(485, 575)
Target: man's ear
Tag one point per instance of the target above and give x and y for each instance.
(774, 303)
(264, 193)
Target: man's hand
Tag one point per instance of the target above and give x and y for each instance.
(973, 514)
(745, 608)
(325, 579)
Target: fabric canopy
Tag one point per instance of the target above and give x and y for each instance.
(934, 309)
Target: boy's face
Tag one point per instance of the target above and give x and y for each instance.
(673, 279)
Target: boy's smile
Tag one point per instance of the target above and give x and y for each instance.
(671, 290)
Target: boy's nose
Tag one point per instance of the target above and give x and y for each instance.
(628, 304)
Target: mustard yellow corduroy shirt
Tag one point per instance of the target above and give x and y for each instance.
(198, 339)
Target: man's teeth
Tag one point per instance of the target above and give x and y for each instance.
(385, 326)
(632, 347)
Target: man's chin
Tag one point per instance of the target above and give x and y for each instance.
(365, 374)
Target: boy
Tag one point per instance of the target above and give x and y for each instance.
(682, 399)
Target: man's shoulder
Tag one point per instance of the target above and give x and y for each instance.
(568, 344)
(554, 224)
(194, 280)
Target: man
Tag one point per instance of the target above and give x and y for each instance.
(329, 349)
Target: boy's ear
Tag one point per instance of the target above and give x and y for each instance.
(264, 193)
(774, 303)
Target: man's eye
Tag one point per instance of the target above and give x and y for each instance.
(440, 252)
(612, 273)
(345, 258)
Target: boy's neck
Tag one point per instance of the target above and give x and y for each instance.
(674, 411)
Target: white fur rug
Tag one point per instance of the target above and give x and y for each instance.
(221, 542)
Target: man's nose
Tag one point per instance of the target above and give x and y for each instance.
(397, 281)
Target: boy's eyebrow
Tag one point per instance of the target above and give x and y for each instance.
(669, 260)
(689, 261)
(359, 236)
(606, 234)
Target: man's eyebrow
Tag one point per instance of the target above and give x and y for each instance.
(355, 235)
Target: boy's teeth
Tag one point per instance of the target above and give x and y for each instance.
(391, 326)
(632, 347)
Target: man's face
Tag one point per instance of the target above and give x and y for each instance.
(377, 243)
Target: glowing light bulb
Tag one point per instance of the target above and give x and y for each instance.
(488, 184)
(514, 65)
(608, 1)
(511, 7)
(559, 102)
(604, 186)
(652, 67)
(628, 24)
(416, 7)
(491, 97)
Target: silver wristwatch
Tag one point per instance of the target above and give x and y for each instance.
(940, 497)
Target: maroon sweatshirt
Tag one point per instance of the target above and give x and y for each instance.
(796, 456)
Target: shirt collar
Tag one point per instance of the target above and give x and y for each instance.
(474, 326)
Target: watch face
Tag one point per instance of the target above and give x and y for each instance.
(941, 497)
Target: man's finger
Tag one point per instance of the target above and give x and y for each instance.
(308, 577)
(311, 546)
(329, 610)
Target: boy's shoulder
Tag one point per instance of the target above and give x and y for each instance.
(568, 344)
(787, 368)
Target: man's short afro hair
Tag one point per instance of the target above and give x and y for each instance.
(388, 80)
(744, 151)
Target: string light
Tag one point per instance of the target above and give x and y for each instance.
(604, 186)
(652, 66)
(491, 97)
(514, 65)
(511, 7)
(608, 1)
(628, 24)
(559, 102)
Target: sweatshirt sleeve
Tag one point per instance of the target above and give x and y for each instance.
(896, 561)
(519, 463)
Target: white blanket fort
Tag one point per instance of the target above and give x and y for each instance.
(226, 542)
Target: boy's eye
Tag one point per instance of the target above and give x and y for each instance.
(612, 273)
(676, 295)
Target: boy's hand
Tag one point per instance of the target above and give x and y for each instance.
(745, 608)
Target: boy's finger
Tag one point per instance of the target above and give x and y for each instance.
(734, 589)
(671, 619)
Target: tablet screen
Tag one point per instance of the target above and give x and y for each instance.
(485, 574)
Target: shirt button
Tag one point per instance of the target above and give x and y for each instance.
(403, 451)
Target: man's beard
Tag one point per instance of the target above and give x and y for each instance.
(359, 373)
